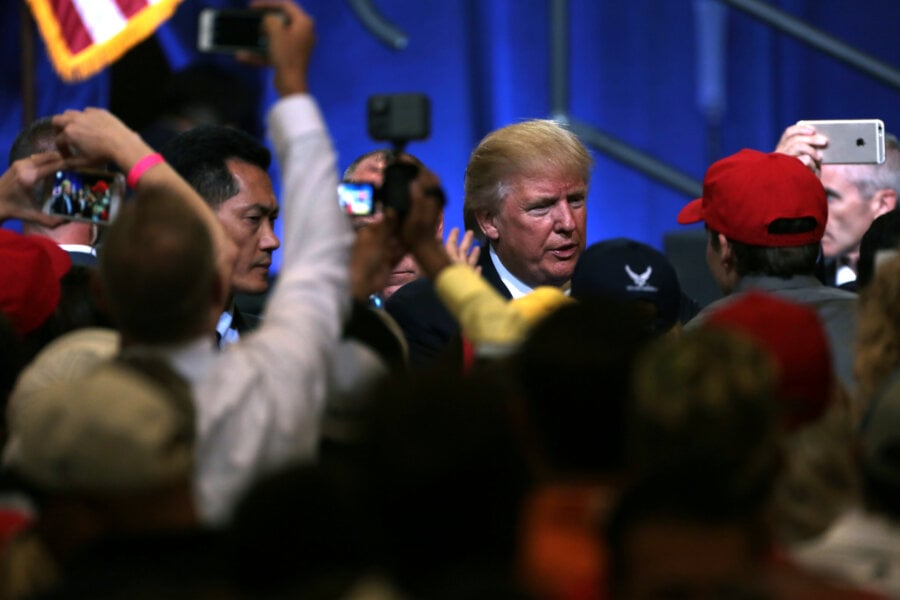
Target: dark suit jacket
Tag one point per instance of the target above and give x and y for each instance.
(428, 326)
(244, 322)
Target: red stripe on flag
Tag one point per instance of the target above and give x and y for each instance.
(130, 8)
(73, 30)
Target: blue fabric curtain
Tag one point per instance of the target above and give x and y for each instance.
(485, 63)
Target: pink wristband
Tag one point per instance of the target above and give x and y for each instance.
(141, 166)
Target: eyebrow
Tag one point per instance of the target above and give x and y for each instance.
(262, 208)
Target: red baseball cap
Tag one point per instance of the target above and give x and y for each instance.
(745, 192)
(29, 278)
(793, 336)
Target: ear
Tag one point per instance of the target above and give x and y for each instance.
(884, 201)
(726, 252)
(440, 227)
(486, 222)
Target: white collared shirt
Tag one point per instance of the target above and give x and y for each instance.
(84, 248)
(516, 286)
(225, 328)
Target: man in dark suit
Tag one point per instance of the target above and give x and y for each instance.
(229, 169)
(526, 201)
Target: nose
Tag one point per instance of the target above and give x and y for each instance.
(563, 217)
(268, 241)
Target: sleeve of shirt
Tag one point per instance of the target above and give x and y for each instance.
(268, 391)
(484, 315)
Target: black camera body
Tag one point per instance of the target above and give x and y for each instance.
(398, 119)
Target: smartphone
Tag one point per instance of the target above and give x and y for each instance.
(231, 30)
(356, 199)
(851, 141)
(399, 117)
(91, 196)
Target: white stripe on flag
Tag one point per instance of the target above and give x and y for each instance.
(102, 18)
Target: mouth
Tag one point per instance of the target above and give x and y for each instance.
(566, 252)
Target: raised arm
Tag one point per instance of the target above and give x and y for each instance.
(95, 136)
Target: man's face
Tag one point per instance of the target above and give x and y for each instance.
(539, 231)
(248, 218)
(849, 214)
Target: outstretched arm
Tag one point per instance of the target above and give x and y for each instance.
(95, 136)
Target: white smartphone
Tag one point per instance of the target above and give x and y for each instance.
(231, 30)
(851, 141)
(91, 196)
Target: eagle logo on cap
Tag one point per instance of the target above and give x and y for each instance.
(640, 280)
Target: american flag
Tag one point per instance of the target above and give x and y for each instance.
(84, 36)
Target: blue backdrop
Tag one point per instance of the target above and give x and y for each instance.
(635, 72)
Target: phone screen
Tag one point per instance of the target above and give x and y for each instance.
(84, 195)
(356, 198)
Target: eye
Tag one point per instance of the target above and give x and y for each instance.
(576, 200)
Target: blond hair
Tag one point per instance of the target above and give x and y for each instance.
(534, 148)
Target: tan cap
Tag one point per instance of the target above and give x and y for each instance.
(116, 429)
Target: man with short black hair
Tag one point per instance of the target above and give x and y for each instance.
(765, 216)
(229, 169)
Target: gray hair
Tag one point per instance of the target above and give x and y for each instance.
(868, 179)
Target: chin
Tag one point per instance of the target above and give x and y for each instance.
(252, 288)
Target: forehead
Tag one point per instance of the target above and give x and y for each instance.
(839, 176)
(545, 184)
(254, 186)
(369, 167)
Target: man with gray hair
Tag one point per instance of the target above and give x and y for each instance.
(857, 195)
(525, 198)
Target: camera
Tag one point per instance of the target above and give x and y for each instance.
(399, 119)
(91, 196)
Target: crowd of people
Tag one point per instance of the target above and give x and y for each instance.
(507, 413)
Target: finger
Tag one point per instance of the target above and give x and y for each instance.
(474, 256)
(62, 120)
(41, 158)
(250, 58)
(453, 236)
(466, 243)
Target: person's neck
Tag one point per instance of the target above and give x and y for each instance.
(68, 233)
(850, 259)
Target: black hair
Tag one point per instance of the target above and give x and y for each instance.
(200, 154)
(33, 139)
(575, 370)
(883, 234)
(781, 261)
